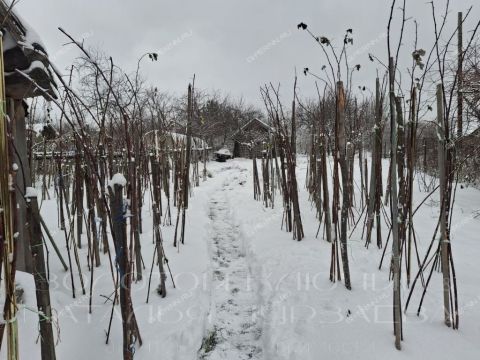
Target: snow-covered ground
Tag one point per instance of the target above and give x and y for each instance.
(245, 289)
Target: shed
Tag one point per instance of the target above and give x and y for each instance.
(251, 139)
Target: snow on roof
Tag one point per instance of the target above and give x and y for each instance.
(25, 51)
(20, 29)
(197, 143)
(240, 131)
(32, 39)
(266, 126)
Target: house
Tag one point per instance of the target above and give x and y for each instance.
(252, 139)
(470, 140)
(465, 150)
(468, 154)
(173, 141)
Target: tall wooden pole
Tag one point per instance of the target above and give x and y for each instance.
(42, 288)
(397, 313)
(374, 198)
(460, 77)
(79, 194)
(444, 248)
(131, 333)
(326, 196)
(186, 168)
(22, 180)
(342, 151)
(7, 224)
(294, 130)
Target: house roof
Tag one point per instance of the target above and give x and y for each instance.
(240, 134)
(23, 50)
(176, 140)
(258, 122)
(470, 134)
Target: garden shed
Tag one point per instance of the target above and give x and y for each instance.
(252, 138)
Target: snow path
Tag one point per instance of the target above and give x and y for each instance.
(234, 330)
(285, 307)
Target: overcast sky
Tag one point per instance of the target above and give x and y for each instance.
(232, 46)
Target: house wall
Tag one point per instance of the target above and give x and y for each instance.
(244, 151)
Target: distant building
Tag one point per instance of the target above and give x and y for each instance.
(173, 141)
(253, 138)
